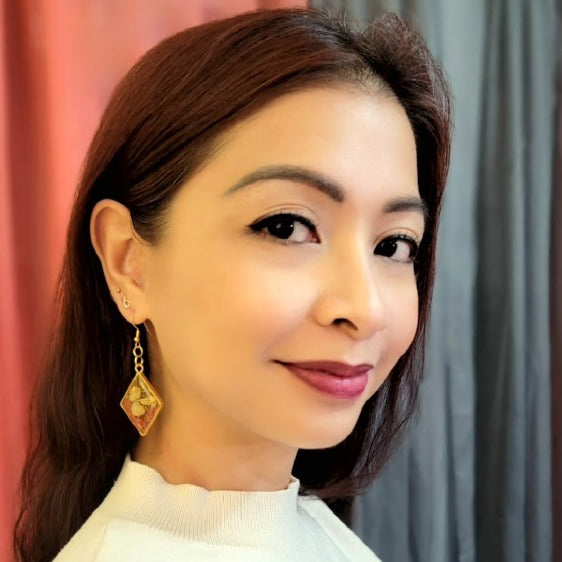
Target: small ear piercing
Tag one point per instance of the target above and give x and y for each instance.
(125, 300)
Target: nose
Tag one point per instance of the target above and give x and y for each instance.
(352, 296)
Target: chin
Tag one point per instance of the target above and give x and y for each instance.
(326, 438)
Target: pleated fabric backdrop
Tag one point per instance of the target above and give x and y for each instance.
(556, 312)
(59, 62)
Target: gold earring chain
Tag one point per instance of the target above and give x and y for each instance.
(137, 354)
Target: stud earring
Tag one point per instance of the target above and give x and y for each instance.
(141, 402)
(126, 302)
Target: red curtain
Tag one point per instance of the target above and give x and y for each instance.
(60, 61)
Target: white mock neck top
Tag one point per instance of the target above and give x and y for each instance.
(145, 518)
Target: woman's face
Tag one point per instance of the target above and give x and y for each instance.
(259, 264)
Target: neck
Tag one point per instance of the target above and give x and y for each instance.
(204, 450)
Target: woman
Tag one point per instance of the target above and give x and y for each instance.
(247, 277)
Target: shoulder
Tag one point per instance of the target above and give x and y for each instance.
(86, 542)
(334, 530)
(103, 539)
(119, 539)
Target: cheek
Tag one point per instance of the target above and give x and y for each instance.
(224, 310)
(401, 326)
(260, 307)
(403, 317)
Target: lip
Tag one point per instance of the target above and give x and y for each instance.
(336, 379)
(333, 367)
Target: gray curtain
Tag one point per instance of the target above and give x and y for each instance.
(556, 315)
(472, 481)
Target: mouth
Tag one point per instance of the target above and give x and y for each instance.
(349, 385)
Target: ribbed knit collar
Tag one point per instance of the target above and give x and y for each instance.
(140, 494)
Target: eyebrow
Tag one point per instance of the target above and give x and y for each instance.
(323, 184)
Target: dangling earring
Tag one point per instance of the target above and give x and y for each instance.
(141, 401)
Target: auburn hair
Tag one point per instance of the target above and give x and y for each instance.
(162, 123)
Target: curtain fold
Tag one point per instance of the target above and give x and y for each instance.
(556, 313)
(9, 325)
(472, 481)
(512, 330)
(24, 244)
(59, 62)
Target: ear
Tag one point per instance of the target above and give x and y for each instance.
(123, 257)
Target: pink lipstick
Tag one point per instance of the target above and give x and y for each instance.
(330, 377)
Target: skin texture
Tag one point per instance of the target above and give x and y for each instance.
(222, 303)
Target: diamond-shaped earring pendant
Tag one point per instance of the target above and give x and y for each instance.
(141, 403)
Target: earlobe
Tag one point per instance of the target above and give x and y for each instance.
(122, 256)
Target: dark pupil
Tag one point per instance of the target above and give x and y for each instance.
(282, 228)
(388, 248)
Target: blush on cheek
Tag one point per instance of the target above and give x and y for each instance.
(403, 330)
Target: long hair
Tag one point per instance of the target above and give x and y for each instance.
(163, 122)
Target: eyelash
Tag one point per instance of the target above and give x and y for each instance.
(259, 226)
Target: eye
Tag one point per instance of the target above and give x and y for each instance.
(400, 248)
(283, 226)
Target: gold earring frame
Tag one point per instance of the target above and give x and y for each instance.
(141, 402)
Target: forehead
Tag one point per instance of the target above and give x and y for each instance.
(323, 114)
(334, 127)
(362, 141)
